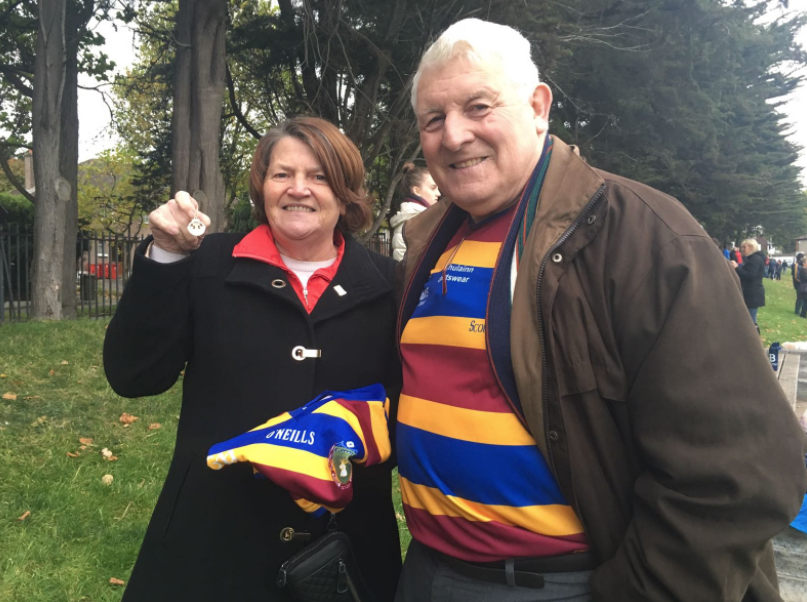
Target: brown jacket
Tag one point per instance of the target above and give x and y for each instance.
(681, 465)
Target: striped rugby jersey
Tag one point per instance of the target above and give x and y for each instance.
(309, 451)
(473, 482)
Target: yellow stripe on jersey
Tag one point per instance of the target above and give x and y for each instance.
(472, 253)
(285, 458)
(493, 428)
(445, 330)
(553, 520)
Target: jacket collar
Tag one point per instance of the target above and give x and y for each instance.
(260, 245)
(357, 275)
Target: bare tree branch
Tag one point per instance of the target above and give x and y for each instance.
(13, 179)
(237, 108)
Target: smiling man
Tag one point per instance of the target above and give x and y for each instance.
(567, 430)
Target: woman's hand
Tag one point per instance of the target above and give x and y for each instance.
(733, 263)
(169, 224)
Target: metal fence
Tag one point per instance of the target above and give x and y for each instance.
(103, 266)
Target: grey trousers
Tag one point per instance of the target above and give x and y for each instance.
(425, 579)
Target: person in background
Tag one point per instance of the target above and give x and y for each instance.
(779, 269)
(801, 286)
(567, 429)
(794, 274)
(260, 323)
(751, 273)
(420, 192)
(726, 252)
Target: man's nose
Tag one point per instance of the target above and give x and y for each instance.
(456, 132)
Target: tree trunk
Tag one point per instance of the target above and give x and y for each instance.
(53, 191)
(198, 96)
(76, 20)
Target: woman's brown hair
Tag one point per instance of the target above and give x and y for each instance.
(340, 160)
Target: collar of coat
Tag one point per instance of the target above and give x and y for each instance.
(260, 245)
(570, 187)
(356, 280)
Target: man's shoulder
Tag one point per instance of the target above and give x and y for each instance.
(646, 206)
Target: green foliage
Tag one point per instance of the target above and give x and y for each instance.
(18, 28)
(106, 195)
(20, 211)
(691, 110)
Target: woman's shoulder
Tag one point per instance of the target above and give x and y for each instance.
(370, 259)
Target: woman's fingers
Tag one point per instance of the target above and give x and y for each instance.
(169, 223)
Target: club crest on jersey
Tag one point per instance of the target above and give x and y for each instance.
(340, 465)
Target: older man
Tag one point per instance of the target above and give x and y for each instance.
(568, 428)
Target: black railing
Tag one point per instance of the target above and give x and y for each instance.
(103, 266)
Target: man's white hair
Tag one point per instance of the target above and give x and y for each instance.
(483, 43)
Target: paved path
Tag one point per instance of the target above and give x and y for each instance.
(790, 547)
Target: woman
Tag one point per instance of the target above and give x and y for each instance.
(265, 321)
(751, 272)
(420, 192)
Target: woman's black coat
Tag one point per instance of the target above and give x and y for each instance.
(751, 272)
(215, 535)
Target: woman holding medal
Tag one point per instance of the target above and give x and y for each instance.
(260, 323)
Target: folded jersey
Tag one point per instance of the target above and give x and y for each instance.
(309, 451)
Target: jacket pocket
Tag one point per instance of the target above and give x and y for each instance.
(583, 376)
(169, 499)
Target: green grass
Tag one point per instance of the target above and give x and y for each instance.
(776, 320)
(80, 532)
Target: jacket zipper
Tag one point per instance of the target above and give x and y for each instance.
(544, 392)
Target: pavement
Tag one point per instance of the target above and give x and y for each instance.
(790, 546)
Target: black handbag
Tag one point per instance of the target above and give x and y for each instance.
(325, 571)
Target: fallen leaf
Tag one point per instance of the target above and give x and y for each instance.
(32, 397)
(107, 479)
(108, 455)
(72, 455)
(65, 362)
(127, 418)
(114, 581)
(154, 426)
(10, 396)
(2, 375)
(82, 447)
(51, 372)
(25, 515)
(39, 421)
(85, 440)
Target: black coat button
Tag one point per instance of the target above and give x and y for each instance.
(553, 435)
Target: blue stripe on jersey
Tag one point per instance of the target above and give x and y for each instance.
(488, 474)
(469, 300)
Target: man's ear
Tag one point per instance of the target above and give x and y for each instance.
(541, 102)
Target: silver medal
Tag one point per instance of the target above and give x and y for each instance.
(196, 227)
